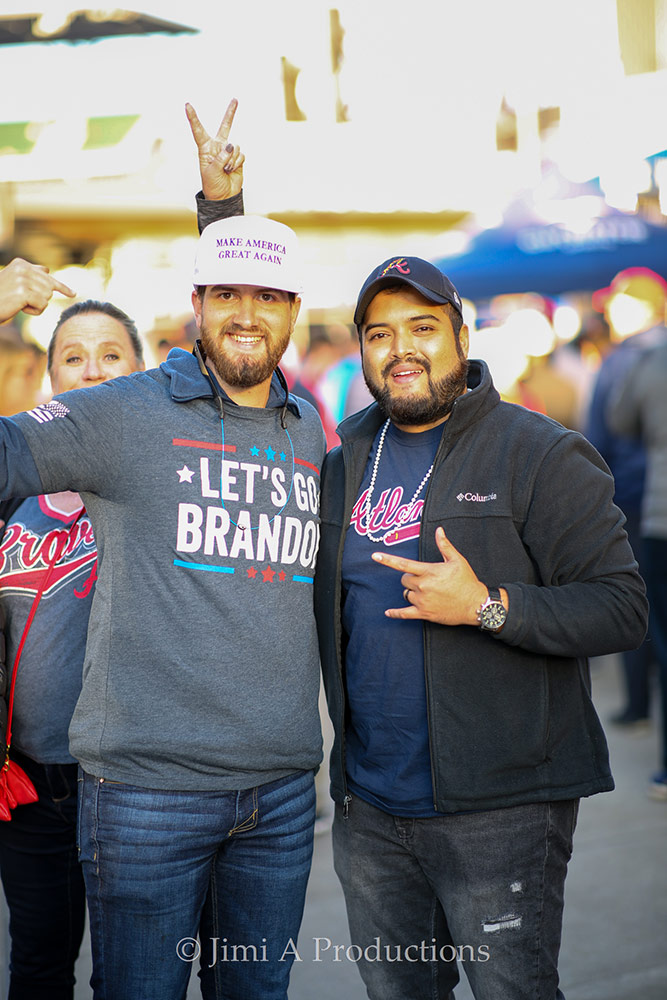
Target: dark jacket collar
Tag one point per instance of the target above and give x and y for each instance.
(187, 383)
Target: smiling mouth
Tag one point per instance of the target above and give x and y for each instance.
(406, 374)
(244, 339)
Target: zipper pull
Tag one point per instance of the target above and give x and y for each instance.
(346, 806)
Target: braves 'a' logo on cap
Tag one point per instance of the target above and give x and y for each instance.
(400, 264)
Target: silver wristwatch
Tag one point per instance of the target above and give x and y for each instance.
(492, 613)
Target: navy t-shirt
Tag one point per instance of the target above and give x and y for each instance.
(387, 747)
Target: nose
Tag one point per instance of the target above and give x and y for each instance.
(245, 315)
(92, 371)
(403, 345)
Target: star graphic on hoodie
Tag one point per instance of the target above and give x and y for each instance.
(268, 574)
(270, 454)
(185, 475)
(254, 451)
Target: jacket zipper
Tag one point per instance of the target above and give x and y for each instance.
(425, 642)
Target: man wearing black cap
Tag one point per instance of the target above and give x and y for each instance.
(471, 560)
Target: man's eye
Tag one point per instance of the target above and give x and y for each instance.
(112, 357)
(74, 359)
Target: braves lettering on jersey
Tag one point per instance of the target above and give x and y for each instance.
(26, 553)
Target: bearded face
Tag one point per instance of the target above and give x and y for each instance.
(414, 364)
(245, 331)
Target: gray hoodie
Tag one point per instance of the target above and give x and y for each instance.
(201, 668)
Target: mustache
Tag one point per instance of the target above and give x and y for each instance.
(417, 359)
(253, 331)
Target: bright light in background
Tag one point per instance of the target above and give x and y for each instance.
(628, 315)
(152, 278)
(421, 135)
(503, 356)
(577, 214)
(529, 332)
(621, 182)
(566, 323)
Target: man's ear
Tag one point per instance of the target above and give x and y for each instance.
(296, 308)
(464, 339)
(196, 306)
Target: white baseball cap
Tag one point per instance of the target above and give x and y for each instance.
(249, 250)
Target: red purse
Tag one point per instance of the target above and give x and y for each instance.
(16, 788)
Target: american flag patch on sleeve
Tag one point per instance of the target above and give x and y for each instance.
(48, 411)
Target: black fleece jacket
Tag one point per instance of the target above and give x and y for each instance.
(529, 504)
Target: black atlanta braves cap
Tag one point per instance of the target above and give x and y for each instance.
(424, 277)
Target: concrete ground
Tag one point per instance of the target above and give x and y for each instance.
(616, 898)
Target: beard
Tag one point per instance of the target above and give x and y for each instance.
(428, 408)
(239, 370)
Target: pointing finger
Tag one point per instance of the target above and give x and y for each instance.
(410, 612)
(228, 118)
(398, 563)
(58, 286)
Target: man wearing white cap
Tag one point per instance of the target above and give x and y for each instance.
(197, 729)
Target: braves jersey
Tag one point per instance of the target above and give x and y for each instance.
(37, 536)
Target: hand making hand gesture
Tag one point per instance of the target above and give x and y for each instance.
(446, 592)
(28, 287)
(220, 162)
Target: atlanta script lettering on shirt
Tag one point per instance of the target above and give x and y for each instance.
(389, 517)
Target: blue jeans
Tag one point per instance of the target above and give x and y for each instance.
(479, 890)
(43, 885)
(162, 867)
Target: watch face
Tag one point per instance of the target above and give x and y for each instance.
(493, 616)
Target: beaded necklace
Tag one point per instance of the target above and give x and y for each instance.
(404, 517)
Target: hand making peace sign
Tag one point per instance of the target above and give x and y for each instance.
(220, 162)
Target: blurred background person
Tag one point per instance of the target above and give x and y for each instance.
(634, 306)
(640, 409)
(321, 355)
(92, 342)
(22, 367)
(342, 386)
(580, 360)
